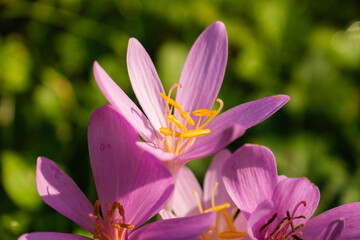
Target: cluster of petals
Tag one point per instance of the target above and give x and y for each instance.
(243, 196)
(132, 187)
(200, 82)
(277, 207)
(260, 203)
(189, 197)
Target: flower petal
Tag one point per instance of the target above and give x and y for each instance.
(231, 124)
(290, 195)
(332, 220)
(157, 152)
(52, 236)
(60, 192)
(184, 202)
(257, 219)
(186, 228)
(250, 176)
(152, 188)
(114, 156)
(213, 176)
(146, 83)
(165, 214)
(204, 69)
(240, 223)
(116, 96)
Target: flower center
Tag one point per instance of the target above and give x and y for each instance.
(113, 227)
(286, 228)
(177, 138)
(229, 232)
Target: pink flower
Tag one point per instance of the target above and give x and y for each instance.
(277, 207)
(180, 130)
(132, 187)
(190, 200)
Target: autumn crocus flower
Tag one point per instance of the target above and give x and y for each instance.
(180, 129)
(277, 207)
(132, 187)
(190, 200)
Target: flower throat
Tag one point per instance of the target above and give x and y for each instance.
(285, 229)
(113, 227)
(221, 211)
(177, 137)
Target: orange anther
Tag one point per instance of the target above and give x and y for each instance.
(171, 101)
(168, 132)
(177, 123)
(187, 117)
(195, 133)
(204, 112)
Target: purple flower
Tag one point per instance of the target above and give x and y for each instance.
(132, 187)
(190, 200)
(277, 207)
(185, 128)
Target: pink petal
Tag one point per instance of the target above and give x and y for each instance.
(241, 223)
(204, 69)
(114, 156)
(288, 195)
(52, 236)
(116, 96)
(60, 192)
(165, 214)
(122, 172)
(232, 124)
(151, 190)
(258, 218)
(186, 228)
(156, 151)
(250, 176)
(184, 202)
(146, 83)
(213, 176)
(343, 220)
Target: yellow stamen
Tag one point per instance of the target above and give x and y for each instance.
(168, 132)
(217, 112)
(198, 201)
(229, 221)
(178, 142)
(167, 99)
(204, 112)
(213, 194)
(232, 235)
(195, 133)
(218, 208)
(176, 121)
(187, 117)
(171, 101)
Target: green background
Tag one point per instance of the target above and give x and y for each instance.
(309, 50)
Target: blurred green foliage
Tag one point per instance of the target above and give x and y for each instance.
(309, 50)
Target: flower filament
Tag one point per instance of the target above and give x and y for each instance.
(285, 229)
(177, 137)
(113, 227)
(221, 211)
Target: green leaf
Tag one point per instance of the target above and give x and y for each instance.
(18, 180)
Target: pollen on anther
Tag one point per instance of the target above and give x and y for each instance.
(195, 133)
